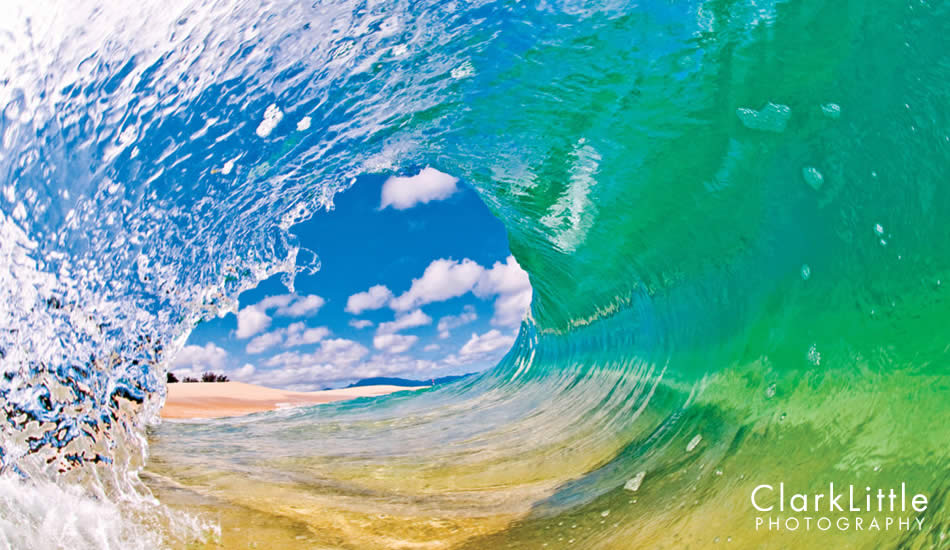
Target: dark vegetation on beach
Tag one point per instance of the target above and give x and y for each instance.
(206, 377)
(407, 383)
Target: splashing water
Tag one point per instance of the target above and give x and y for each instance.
(155, 156)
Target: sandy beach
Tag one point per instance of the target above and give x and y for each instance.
(220, 399)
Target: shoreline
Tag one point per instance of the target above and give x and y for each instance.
(198, 400)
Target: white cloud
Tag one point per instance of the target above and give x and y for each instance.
(292, 305)
(307, 372)
(244, 372)
(360, 324)
(480, 344)
(394, 343)
(486, 347)
(296, 334)
(431, 347)
(409, 320)
(199, 358)
(450, 322)
(281, 300)
(300, 335)
(304, 305)
(265, 341)
(336, 351)
(251, 321)
(428, 185)
(503, 278)
(510, 308)
(442, 279)
(512, 287)
(374, 298)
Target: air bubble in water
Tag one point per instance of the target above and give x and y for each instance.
(806, 272)
(771, 118)
(770, 391)
(831, 110)
(879, 229)
(272, 117)
(605, 513)
(813, 177)
(813, 356)
(693, 443)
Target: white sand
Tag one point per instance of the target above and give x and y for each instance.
(218, 399)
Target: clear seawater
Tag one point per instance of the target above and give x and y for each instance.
(734, 215)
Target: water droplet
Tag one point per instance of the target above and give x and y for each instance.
(877, 468)
(728, 539)
(879, 229)
(605, 513)
(806, 272)
(813, 356)
(464, 70)
(716, 540)
(813, 177)
(693, 443)
(831, 110)
(633, 483)
(883, 242)
(718, 472)
(771, 118)
(782, 417)
(770, 391)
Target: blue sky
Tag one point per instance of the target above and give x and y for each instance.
(416, 280)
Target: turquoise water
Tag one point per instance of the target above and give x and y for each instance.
(732, 214)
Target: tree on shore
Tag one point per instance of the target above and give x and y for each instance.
(206, 377)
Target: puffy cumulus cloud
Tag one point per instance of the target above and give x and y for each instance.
(296, 334)
(489, 346)
(360, 324)
(264, 342)
(510, 308)
(449, 322)
(303, 305)
(394, 343)
(292, 305)
(426, 186)
(512, 289)
(308, 372)
(200, 358)
(243, 373)
(336, 351)
(503, 278)
(300, 335)
(443, 279)
(251, 321)
(416, 318)
(488, 342)
(374, 298)
(279, 301)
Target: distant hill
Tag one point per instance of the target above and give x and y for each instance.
(405, 382)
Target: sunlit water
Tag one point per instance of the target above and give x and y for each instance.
(733, 215)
